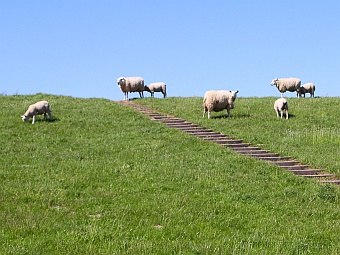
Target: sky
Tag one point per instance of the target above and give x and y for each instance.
(80, 48)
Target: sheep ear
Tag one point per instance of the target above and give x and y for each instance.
(236, 92)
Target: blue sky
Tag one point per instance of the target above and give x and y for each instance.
(80, 48)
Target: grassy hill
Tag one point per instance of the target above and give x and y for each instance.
(312, 133)
(104, 179)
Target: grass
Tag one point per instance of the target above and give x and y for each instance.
(104, 179)
(311, 135)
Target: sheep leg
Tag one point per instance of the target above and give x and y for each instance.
(281, 112)
(44, 116)
(33, 119)
(204, 111)
(50, 114)
(228, 112)
(286, 114)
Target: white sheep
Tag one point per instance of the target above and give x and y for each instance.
(218, 100)
(156, 87)
(280, 105)
(41, 107)
(307, 88)
(131, 84)
(287, 84)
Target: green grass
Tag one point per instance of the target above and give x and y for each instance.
(104, 179)
(311, 135)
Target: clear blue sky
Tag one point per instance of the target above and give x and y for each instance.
(80, 48)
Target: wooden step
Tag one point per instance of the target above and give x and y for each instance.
(206, 132)
(236, 145)
(326, 175)
(304, 171)
(264, 155)
(295, 167)
(225, 141)
(182, 125)
(286, 163)
(209, 134)
(330, 181)
(192, 131)
(253, 152)
(171, 120)
(279, 158)
(192, 128)
(241, 149)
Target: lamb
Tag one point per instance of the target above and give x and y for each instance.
(41, 107)
(287, 84)
(131, 84)
(280, 105)
(307, 88)
(218, 100)
(156, 87)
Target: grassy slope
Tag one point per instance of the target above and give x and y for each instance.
(102, 178)
(312, 134)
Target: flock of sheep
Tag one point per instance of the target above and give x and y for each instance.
(136, 84)
(292, 85)
(214, 100)
(223, 99)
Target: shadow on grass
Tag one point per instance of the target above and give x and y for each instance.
(233, 116)
(47, 120)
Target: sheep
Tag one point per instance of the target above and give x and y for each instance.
(287, 84)
(218, 100)
(307, 88)
(131, 84)
(156, 87)
(41, 107)
(280, 105)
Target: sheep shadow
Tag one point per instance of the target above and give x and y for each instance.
(232, 116)
(242, 116)
(47, 120)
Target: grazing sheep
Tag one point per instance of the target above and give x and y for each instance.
(307, 88)
(287, 84)
(131, 84)
(280, 105)
(218, 100)
(156, 87)
(41, 107)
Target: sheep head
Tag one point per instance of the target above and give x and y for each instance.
(231, 100)
(120, 80)
(24, 118)
(273, 83)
